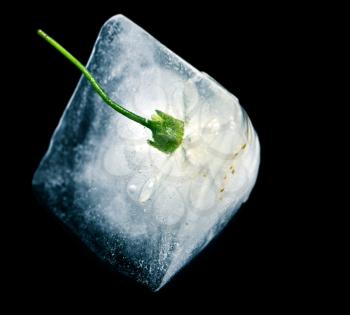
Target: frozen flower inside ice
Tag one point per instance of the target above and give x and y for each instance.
(145, 212)
(217, 135)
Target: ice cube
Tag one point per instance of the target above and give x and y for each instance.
(144, 212)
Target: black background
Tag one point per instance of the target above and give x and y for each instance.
(259, 53)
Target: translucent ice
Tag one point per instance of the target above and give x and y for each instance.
(144, 212)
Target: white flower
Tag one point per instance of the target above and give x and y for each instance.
(199, 174)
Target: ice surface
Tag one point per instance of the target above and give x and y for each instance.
(144, 212)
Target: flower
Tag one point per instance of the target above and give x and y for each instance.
(199, 175)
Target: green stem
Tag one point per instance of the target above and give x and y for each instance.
(143, 121)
